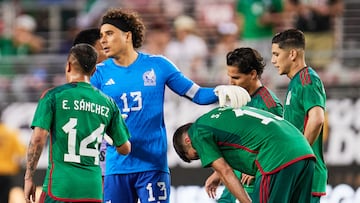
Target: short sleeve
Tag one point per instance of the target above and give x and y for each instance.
(314, 95)
(204, 143)
(44, 112)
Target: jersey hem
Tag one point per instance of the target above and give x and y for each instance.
(277, 169)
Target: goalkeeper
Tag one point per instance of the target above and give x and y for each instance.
(137, 81)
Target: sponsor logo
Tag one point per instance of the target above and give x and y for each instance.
(110, 82)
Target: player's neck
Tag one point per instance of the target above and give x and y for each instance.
(127, 59)
(255, 87)
(78, 78)
(296, 68)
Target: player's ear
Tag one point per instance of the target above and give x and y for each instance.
(129, 36)
(254, 75)
(293, 54)
(187, 139)
(68, 67)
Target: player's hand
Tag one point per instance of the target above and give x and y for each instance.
(236, 95)
(107, 138)
(211, 184)
(29, 191)
(246, 179)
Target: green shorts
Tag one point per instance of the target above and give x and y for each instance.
(291, 184)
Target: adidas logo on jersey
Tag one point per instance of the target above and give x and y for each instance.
(110, 82)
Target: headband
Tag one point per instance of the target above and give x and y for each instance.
(117, 23)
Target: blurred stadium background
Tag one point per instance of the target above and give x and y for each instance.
(24, 77)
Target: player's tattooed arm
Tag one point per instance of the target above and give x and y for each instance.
(33, 155)
(36, 145)
(34, 151)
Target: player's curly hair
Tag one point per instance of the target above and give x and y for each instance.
(246, 59)
(132, 20)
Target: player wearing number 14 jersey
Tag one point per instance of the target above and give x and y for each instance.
(76, 116)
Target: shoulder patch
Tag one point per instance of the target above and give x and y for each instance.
(267, 98)
(305, 76)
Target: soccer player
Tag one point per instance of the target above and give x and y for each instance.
(253, 142)
(75, 116)
(244, 68)
(137, 82)
(304, 105)
(91, 36)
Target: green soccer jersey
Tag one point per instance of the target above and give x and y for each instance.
(266, 100)
(306, 91)
(77, 116)
(251, 140)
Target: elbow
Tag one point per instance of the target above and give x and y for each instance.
(319, 123)
(124, 149)
(39, 137)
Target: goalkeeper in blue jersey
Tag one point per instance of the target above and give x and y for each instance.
(137, 81)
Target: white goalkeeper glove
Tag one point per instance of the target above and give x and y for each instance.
(107, 138)
(236, 95)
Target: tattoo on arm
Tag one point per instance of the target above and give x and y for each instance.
(33, 155)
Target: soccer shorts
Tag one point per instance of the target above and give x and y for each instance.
(291, 184)
(149, 187)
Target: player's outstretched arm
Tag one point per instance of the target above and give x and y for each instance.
(237, 96)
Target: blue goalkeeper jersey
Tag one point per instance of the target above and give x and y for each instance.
(138, 89)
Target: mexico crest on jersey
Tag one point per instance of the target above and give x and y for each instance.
(149, 78)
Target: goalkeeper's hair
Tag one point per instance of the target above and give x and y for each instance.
(289, 39)
(246, 59)
(128, 21)
(88, 36)
(178, 142)
(84, 56)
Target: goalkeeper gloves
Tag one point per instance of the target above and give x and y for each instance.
(236, 95)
